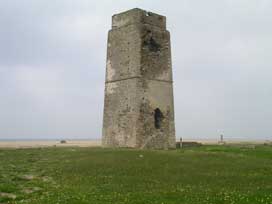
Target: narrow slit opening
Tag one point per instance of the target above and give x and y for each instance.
(158, 117)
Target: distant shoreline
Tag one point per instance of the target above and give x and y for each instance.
(49, 143)
(97, 143)
(58, 139)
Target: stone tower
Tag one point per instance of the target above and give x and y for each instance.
(139, 106)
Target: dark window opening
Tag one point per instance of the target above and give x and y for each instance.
(158, 117)
(152, 45)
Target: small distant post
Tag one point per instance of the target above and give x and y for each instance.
(180, 142)
(221, 141)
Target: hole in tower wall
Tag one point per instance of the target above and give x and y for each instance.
(148, 13)
(158, 117)
(152, 45)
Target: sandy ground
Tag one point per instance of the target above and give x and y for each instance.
(229, 141)
(37, 144)
(97, 143)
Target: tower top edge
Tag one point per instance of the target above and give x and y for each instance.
(136, 15)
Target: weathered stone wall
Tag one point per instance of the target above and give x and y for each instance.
(138, 107)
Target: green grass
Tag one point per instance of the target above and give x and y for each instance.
(207, 174)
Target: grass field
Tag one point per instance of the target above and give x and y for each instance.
(207, 174)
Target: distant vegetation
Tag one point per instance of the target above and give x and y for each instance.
(63, 141)
(193, 175)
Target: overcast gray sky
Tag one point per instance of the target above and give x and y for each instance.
(52, 66)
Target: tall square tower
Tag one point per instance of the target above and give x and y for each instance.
(138, 104)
